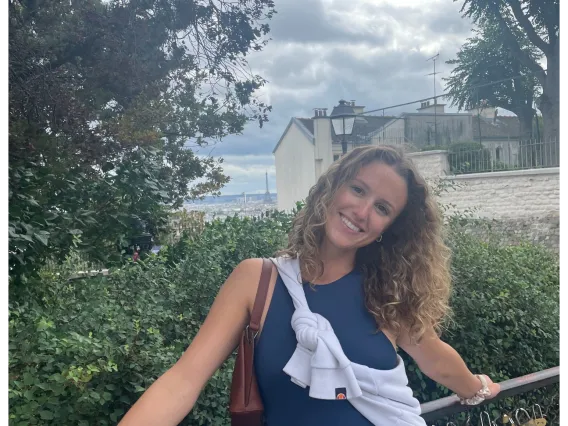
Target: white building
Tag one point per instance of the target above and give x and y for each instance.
(308, 146)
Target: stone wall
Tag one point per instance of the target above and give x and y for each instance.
(431, 164)
(539, 230)
(512, 194)
(518, 205)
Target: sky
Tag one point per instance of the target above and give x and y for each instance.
(372, 51)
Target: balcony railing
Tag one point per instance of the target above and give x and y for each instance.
(525, 398)
(502, 156)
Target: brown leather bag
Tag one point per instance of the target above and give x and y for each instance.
(246, 404)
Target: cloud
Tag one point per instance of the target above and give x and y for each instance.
(248, 173)
(372, 51)
(312, 21)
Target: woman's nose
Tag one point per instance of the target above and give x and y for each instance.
(363, 210)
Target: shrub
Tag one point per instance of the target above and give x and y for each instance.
(82, 352)
(468, 157)
(506, 310)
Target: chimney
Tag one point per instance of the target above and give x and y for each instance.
(431, 108)
(323, 149)
(356, 109)
(320, 112)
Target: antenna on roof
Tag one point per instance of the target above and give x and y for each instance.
(433, 59)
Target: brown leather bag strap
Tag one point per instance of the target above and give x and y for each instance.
(252, 328)
(261, 293)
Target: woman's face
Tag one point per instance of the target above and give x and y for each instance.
(365, 207)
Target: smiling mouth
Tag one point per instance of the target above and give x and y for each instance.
(350, 224)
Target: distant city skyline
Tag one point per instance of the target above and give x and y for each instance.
(230, 205)
(252, 192)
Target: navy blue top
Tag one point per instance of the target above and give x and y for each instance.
(342, 303)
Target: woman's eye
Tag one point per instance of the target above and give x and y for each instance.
(382, 209)
(357, 190)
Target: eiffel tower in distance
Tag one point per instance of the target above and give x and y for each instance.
(267, 197)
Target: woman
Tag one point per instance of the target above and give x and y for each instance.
(136, 255)
(375, 277)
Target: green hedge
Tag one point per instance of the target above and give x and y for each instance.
(82, 352)
(506, 311)
(470, 157)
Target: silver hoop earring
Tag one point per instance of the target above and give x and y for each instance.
(378, 240)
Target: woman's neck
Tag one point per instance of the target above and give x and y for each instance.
(336, 264)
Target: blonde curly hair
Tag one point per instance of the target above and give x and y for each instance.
(407, 276)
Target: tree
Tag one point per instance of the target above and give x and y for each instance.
(105, 98)
(540, 21)
(487, 70)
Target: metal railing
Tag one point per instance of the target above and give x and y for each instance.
(500, 156)
(530, 395)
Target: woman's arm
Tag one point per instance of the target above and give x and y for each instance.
(172, 396)
(442, 363)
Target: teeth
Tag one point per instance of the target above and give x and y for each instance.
(349, 224)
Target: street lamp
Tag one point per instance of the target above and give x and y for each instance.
(343, 118)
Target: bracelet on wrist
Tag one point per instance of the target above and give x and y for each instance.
(480, 396)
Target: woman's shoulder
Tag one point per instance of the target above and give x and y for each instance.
(248, 272)
(251, 266)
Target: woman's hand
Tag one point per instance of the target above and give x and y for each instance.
(494, 388)
(442, 363)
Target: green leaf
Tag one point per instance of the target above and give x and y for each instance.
(46, 415)
(42, 238)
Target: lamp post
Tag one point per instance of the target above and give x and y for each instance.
(343, 118)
